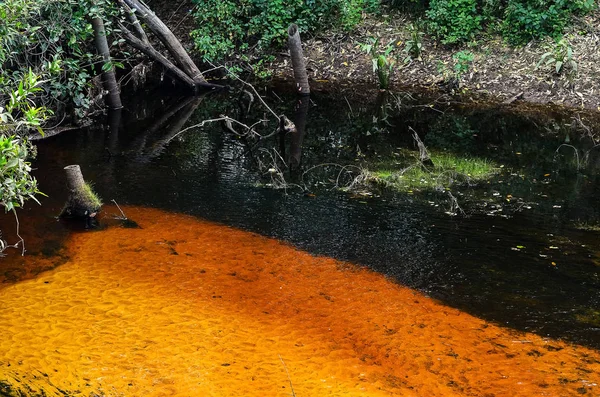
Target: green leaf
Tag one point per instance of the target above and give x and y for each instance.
(559, 66)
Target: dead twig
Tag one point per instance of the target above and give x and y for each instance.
(123, 217)
(288, 375)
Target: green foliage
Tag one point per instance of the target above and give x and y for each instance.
(533, 19)
(560, 59)
(16, 116)
(462, 63)
(519, 21)
(454, 21)
(383, 60)
(224, 25)
(414, 44)
(405, 172)
(53, 38)
(16, 182)
(91, 197)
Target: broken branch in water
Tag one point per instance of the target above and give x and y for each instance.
(123, 216)
(288, 375)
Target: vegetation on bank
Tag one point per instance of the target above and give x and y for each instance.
(227, 26)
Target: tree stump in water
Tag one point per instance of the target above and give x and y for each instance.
(82, 203)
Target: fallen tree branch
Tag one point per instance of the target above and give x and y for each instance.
(152, 53)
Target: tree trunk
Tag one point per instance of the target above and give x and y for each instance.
(295, 46)
(108, 76)
(75, 180)
(134, 22)
(82, 203)
(157, 56)
(298, 134)
(169, 40)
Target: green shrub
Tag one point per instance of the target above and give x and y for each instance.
(519, 21)
(525, 20)
(16, 182)
(18, 115)
(454, 21)
(53, 38)
(225, 25)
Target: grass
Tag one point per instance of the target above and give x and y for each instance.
(91, 197)
(448, 170)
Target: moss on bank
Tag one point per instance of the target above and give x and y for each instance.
(407, 173)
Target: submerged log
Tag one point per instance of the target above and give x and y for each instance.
(82, 203)
(295, 46)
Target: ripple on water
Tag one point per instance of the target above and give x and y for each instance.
(185, 307)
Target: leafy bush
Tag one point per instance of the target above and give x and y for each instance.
(53, 38)
(560, 58)
(224, 25)
(414, 44)
(533, 19)
(462, 63)
(454, 21)
(17, 115)
(16, 182)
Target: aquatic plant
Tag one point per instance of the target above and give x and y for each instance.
(448, 170)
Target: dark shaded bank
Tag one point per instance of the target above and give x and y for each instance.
(530, 269)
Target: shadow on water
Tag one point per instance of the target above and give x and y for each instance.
(532, 269)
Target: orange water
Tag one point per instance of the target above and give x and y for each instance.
(183, 307)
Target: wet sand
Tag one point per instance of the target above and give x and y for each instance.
(183, 307)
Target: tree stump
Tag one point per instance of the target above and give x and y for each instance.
(82, 203)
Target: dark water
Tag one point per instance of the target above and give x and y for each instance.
(526, 263)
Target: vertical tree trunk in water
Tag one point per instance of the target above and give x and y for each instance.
(108, 77)
(298, 65)
(75, 180)
(169, 40)
(298, 134)
(82, 203)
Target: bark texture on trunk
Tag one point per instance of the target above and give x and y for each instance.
(295, 46)
(75, 180)
(298, 134)
(157, 56)
(167, 37)
(134, 22)
(82, 203)
(113, 99)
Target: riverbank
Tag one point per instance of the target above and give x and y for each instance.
(497, 72)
